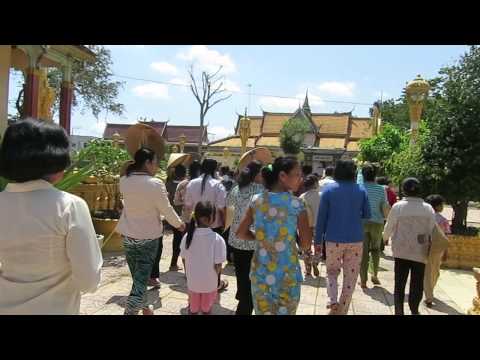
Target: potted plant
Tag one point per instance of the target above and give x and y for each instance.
(101, 188)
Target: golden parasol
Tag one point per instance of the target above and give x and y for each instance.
(261, 154)
(139, 135)
(177, 159)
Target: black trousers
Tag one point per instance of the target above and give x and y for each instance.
(177, 239)
(243, 261)
(417, 272)
(230, 254)
(156, 264)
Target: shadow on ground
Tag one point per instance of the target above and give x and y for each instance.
(379, 294)
(153, 298)
(317, 282)
(444, 308)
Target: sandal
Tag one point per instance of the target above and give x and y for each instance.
(223, 285)
(333, 308)
(148, 310)
(174, 268)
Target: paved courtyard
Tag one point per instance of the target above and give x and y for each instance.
(454, 293)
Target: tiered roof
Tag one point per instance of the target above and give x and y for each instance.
(328, 131)
(171, 133)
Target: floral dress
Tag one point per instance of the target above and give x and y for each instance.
(240, 199)
(275, 273)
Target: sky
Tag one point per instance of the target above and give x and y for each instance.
(338, 78)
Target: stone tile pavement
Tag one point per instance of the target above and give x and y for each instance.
(454, 293)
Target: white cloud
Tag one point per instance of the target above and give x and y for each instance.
(152, 91)
(164, 68)
(180, 81)
(279, 104)
(313, 100)
(337, 88)
(218, 132)
(231, 85)
(290, 104)
(381, 95)
(207, 59)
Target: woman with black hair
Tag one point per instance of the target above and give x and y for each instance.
(410, 225)
(277, 215)
(208, 188)
(249, 184)
(145, 202)
(203, 252)
(49, 253)
(343, 205)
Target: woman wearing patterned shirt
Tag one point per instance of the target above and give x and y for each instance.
(249, 184)
(277, 215)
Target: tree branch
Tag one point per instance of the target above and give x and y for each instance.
(221, 99)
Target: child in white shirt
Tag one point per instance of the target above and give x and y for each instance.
(203, 251)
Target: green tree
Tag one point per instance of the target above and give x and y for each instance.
(94, 89)
(380, 148)
(409, 162)
(453, 148)
(292, 135)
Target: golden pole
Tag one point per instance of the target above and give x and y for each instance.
(183, 140)
(244, 132)
(417, 91)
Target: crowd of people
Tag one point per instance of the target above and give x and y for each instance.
(263, 220)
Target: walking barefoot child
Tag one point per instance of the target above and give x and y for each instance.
(203, 252)
(437, 253)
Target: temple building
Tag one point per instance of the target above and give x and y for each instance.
(331, 136)
(34, 61)
(172, 134)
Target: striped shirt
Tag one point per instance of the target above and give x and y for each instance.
(376, 199)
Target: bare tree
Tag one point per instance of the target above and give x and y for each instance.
(208, 94)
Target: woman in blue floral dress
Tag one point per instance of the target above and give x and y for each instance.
(277, 215)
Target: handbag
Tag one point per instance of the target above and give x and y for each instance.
(439, 241)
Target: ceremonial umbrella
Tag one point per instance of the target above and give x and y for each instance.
(177, 159)
(139, 135)
(261, 154)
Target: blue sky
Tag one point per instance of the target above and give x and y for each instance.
(354, 74)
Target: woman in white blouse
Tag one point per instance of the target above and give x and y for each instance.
(49, 253)
(145, 202)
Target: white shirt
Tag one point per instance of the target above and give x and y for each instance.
(206, 249)
(214, 192)
(49, 252)
(312, 200)
(145, 202)
(324, 182)
(410, 225)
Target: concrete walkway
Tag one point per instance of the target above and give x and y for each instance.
(454, 292)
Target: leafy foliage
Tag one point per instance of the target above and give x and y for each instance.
(292, 135)
(409, 162)
(380, 148)
(106, 158)
(453, 148)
